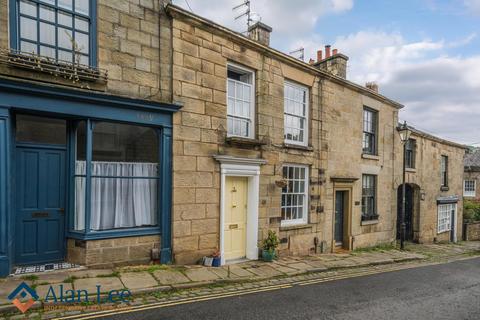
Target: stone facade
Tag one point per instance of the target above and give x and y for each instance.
(472, 172)
(201, 52)
(112, 252)
(426, 181)
(472, 231)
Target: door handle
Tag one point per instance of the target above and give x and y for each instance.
(62, 210)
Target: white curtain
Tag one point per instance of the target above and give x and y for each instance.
(117, 202)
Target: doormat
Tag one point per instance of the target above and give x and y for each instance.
(45, 268)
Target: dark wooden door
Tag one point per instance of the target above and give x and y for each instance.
(339, 215)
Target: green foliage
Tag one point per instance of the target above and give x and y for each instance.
(31, 277)
(271, 242)
(471, 210)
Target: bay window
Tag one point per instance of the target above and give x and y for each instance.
(123, 178)
(445, 212)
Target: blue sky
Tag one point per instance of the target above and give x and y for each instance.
(422, 53)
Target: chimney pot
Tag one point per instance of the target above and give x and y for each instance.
(335, 51)
(319, 55)
(327, 51)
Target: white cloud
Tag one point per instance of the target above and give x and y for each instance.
(440, 91)
(473, 6)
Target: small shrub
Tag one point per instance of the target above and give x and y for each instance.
(471, 210)
(271, 242)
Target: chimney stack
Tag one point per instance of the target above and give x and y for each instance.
(335, 63)
(327, 51)
(319, 55)
(260, 32)
(372, 86)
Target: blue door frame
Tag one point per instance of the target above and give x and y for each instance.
(39, 204)
(73, 104)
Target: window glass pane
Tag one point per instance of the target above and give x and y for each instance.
(65, 38)
(49, 1)
(47, 52)
(67, 4)
(28, 47)
(81, 6)
(81, 24)
(81, 141)
(65, 55)
(81, 40)
(40, 130)
(47, 34)
(82, 59)
(64, 19)
(115, 142)
(47, 13)
(79, 220)
(28, 29)
(28, 7)
(123, 203)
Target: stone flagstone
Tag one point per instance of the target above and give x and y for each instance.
(106, 283)
(138, 280)
(166, 277)
(201, 274)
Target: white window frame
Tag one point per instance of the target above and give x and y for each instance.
(469, 193)
(237, 68)
(304, 219)
(306, 117)
(444, 216)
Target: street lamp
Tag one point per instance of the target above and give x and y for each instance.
(404, 133)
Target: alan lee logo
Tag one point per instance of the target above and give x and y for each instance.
(75, 296)
(29, 296)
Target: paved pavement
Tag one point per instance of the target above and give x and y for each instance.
(443, 291)
(164, 284)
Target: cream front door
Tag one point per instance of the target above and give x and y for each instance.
(235, 225)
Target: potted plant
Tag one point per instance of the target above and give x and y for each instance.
(269, 246)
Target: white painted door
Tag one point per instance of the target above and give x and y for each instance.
(235, 222)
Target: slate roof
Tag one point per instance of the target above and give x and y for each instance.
(472, 160)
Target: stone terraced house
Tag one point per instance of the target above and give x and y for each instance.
(471, 187)
(133, 131)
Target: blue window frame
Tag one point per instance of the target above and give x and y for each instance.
(62, 30)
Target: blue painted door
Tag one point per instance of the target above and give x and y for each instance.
(40, 203)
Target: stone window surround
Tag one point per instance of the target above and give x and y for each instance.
(239, 68)
(242, 167)
(303, 143)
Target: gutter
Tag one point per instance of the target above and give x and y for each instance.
(176, 11)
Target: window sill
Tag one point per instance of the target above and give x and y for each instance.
(443, 231)
(295, 227)
(109, 234)
(297, 147)
(369, 222)
(370, 156)
(444, 188)
(411, 170)
(242, 141)
(33, 62)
